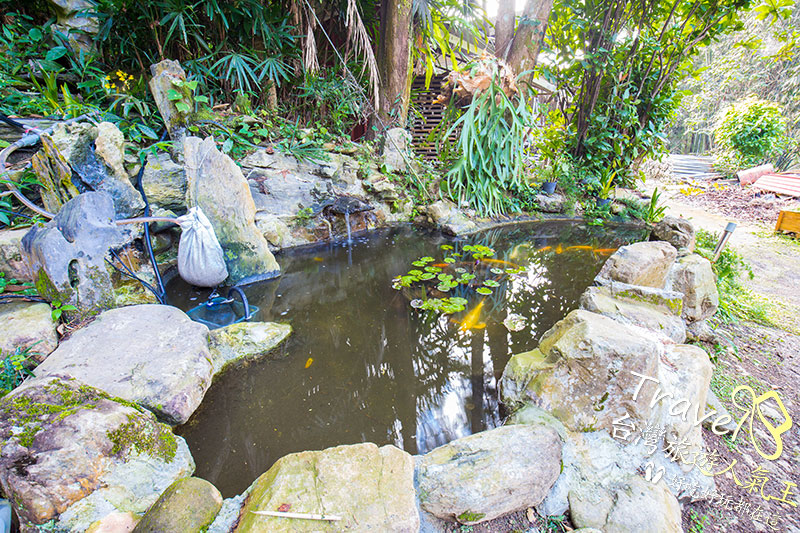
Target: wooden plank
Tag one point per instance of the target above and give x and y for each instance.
(788, 221)
(782, 184)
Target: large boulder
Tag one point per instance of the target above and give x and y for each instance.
(489, 474)
(677, 231)
(288, 184)
(692, 275)
(370, 488)
(67, 256)
(583, 372)
(96, 155)
(245, 341)
(12, 264)
(27, 326)
(640, 263)
(187, 506)
(164, 182)
(215, 183)
(656, 318)
(78, 21)
(445, 215)
(73, 454)
(153, 355)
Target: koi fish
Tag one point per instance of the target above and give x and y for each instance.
(470, 321)
(498, 262)
(605, 251)
(579, 248)
(544, 249)
(318, 259)
(559, 249)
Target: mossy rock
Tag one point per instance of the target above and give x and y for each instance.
(188, 505)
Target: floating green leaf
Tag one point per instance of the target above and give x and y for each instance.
(483, 290)
(491, 283)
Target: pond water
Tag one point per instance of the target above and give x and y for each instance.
(362, 365)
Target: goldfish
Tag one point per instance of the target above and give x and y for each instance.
(606, 251)
(318, 259)
(544, 249)
(470, 321)
(498, 262)
(579, 248)
(309, 362)
(559, 249)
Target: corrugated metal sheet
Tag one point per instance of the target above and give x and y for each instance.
(788, 184)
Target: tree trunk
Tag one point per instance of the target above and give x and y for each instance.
(394, 63)
(529, 36)
(504, 27)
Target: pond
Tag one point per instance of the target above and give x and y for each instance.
(362, 365)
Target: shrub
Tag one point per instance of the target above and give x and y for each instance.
(749, 133)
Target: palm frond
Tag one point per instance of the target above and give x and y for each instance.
(357, 33)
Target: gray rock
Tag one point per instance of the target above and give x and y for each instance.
(582, 372)
(692, 275)
(641, 263)
(600, 300)
(27, 326)
(228, 514)
(551, 203)
(289, 184)
(72, 454)
(164, 74)
(701, 331)
(396, 150)
(187, 506)
(75, 20)
(489, 474)
(67, 255)
(153, 355)
(12, 264)
(669, 302)
(371, 488)
(245, 341)
(677, 231)
(714, 405)
(449, 218)
(216, 184)
(164, 182)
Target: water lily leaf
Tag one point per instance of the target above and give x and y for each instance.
(491, 283)
(515, 322)
(427, 259)
(483, 290)
(449, 260)
(426, 276)
(495, 270)
(415, 272)
(416, 303)
(444, 287)
(461, 270)
(446, 247)
(418, 263)
(444, 277)
(434, 270)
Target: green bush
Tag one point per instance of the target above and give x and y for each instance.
(750, 132)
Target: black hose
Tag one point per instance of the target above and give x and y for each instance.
(125, 271)
(8, 298)
(13, 123)
(162, 294)
(240, 292)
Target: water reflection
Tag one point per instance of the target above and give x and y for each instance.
(381, 371)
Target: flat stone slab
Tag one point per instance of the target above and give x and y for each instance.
(640, 263)
(73, 454)
(27, 326)
(370, 488)
(153, 355)
(245, 341)
(489, 474)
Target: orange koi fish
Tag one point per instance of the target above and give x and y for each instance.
(470, 321)
(498, 262)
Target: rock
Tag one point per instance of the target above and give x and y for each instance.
(187, 506)
(275, 230)
(229, 514)
(600, 300)
(66, 256)
(623, 512)
(714, 405)
(153, 355)
(164, 182)
(290, 185)
(641, 263)
(489, 474)
(165, 74)
(668, 302)
(701, 331)
(245, 341)
(551, 203)
(96, 155)
(54, 173)
(27, 326)
(685, 376)
(396, 150)
(73, 454)
(12, 264)
(371, 488)
(115, 522)
(449, 218)
(216, 184)
(383, 188)
(582, 372)
(677, 231)
(692, 275)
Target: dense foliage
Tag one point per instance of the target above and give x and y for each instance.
(749, 133)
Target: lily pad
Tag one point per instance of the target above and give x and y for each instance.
(515, 322)
(483, 290)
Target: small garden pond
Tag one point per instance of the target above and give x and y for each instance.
(362, 365)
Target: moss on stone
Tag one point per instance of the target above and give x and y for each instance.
(144, 436)
(468, 516)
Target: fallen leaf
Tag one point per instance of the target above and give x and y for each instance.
(308, 363)
(284, 508)
(530, 515)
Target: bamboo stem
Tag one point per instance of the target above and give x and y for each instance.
(302, 516)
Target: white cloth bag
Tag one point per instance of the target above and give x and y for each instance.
(201, 260)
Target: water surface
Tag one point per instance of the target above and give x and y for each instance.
(362, 366)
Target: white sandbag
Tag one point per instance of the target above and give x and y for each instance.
(201, 260)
